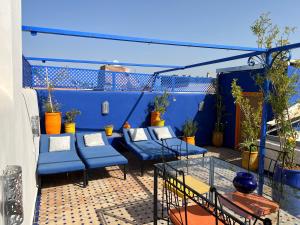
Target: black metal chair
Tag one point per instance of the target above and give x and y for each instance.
(200, 210)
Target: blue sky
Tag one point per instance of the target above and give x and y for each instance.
(213, 21)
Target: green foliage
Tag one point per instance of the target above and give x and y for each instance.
(161, 103)
(190, 128)
(252, 116)
(220, 108)
(282, 85)
(51, 106)
(71, 115)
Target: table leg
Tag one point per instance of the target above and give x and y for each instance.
(155, 198)
(211, 176)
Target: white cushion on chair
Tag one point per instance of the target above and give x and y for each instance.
(138, 134)
(92, 140)
(59, 144)
(162, 133)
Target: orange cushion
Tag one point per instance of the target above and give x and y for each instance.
(196, 215)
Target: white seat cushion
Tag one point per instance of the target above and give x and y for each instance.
(59, 144)
(138, 134)
(92, 140)
(162, 133)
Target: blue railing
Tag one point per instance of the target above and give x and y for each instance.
(75, 78)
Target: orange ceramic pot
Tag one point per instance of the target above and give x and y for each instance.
(250, 160)
(155, 116)
(217, 139)
(53, 122)
(190, 140)
(126, 125)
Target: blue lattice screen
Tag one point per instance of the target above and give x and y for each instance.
(64, 77)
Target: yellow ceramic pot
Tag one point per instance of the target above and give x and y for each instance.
(70, 128)
(217, 139)
(190, 140)
(251, 160)
(159, 123)
(109, 130)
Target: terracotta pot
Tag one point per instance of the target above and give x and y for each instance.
(70, 128)
(217, 138)
(190, 140)
(251, 161)
(126, 125)
(53, 122)
(159, 123)
(155, 116)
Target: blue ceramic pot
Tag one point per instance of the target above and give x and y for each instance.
(245, 182)
(287, 176)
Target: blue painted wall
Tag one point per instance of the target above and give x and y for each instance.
(135, 105)
(246, 79)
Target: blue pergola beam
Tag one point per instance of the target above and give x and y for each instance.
(284, 48)
(35, 30)
(226, 59)
(99, 62)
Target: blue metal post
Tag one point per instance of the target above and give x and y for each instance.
(263, 130)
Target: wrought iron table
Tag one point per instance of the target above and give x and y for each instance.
(219, 174)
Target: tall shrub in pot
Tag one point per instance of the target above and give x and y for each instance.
(190, 128)
(283, 87)
(250, 127)
(160, 105)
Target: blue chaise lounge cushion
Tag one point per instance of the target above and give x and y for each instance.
(176, 144)
(99, 156)
(146, 150)
(60, 161)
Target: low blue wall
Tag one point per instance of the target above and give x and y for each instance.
(135, 105)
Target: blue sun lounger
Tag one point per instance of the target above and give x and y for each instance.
(58, 161)
(99, 156)
(146, 150)
(179, 146)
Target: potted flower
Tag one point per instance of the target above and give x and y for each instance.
(282, 88)
(250, 127)
(109, 129)
(217, 137)
(70, 126)
(52, 113)
(161, 103)
(190, 128)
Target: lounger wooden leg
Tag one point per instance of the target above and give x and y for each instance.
(85, 178)
(142, 168)
(124, 171)
(39, 181)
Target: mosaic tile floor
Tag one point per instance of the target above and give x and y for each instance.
(108, 199)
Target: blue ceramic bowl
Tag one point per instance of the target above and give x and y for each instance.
(245, 182)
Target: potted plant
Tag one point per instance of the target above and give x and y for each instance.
(70, 126)
(217, 137)
(190, 128)
(251, 127)
(283, 87)
(52, 113)
(161, 103)
(109, 129)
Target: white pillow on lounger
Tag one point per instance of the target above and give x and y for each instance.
(138, 134)
(92, 140)
(162, 133)
(59, 144)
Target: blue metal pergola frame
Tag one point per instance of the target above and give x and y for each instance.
(252, 52)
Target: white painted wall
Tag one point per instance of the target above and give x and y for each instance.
(16, 141)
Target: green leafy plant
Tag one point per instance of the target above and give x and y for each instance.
(71, 115)
(252, 117)
(219, 126)
(283, 87)
(190, 128)
(161, 102)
